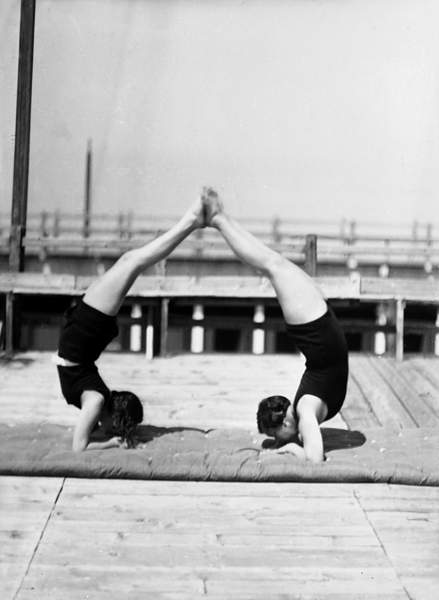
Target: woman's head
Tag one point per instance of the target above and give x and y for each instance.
(275, 419)
(124, 412)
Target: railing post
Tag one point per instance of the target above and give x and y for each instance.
(380, 336)
(149, 336)
(197, 331)
(43, 223)
(352, 231)
(129, 225)
(9, 324)
(311, 254)
(258, 334)
(164, 321)
(429, 234)
(87, 191)
(275, 230)
(400, 306)
(120, 224)
(436, 336)
(136, 328)
(415, 230)
(56, 227)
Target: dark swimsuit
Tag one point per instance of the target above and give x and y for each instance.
(84, 335)
(323, 344)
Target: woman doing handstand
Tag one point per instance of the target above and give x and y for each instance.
(89, 327)
(312, 326)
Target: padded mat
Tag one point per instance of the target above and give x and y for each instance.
(178, 453)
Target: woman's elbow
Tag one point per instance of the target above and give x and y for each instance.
(314, 455)
(79, 445)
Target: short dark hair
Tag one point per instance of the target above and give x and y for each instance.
(271, 412)
(126, 412)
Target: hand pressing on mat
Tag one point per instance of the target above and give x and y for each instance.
(116, 442)
(291, 448)
(97, 420)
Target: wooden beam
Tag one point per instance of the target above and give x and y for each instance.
(400, 306)
(164, 320)
(9, 324)
(311, 254)
(87, 192)
(22, 135)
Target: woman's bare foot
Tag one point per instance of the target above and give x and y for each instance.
(196, 214)
(212, 206)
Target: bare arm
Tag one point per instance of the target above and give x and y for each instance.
(292, 448)
(312, 439)
(92, 403)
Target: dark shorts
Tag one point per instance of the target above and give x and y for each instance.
(324, 346)
(75, 380)
(85, 333)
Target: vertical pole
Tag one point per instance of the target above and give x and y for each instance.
(43, 223)
(258, 337)
(275, 230)
(436, 337)
(9, 324)
(87, 196)
(352, 231)
(197, 331)
(311, 254)
(136, 329)
(164, 319)
(400, 306)
(56, 224)
(149, 341)
(380, 336)
(22, 135)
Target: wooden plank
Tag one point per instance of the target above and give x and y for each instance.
(214, 489)
(357, 411)
(428, 368)
(396, 492)
(406, 522)
(404, 381)
(386, 406)
(407, 288)
(311, 254)
(311, 583)
(90, 581)
(427, 392)
(36, 283)
(101, 538)
(209, 286)
(25, 505)
(172, 286)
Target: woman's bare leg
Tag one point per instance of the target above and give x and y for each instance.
(108, 292)
(299, 297)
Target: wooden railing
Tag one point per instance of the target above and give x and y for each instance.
(129, 224)
(349, 242)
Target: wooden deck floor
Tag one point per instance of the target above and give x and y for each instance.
(77, 539)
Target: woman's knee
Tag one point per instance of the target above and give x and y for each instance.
(276, 265)
(129, 260)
